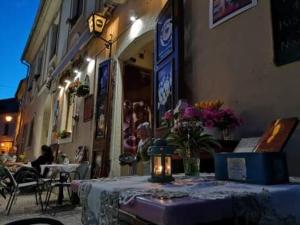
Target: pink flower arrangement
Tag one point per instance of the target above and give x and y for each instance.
(221, 118)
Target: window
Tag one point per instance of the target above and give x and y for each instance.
(77, 8)
(54, 38)
(30, 136)
(6, 129)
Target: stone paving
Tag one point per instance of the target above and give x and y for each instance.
(25, 207)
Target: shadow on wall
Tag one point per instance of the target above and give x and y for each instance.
(292, 150)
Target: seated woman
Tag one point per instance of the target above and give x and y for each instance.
(46, 158)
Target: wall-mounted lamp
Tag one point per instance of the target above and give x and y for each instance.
(88, 59)
(8, 118)
(132, 15)
(96, 24)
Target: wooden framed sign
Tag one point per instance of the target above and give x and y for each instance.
(88, 108)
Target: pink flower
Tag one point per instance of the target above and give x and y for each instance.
(191, 113)
(168, 115)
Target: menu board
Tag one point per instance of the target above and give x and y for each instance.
(286, 30)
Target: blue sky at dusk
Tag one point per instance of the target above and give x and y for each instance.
(16, 20)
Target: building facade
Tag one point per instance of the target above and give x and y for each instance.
(89, 91)
(9, 118)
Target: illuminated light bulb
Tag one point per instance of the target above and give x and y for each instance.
(88, 59)
(8, 118)
(133, 18)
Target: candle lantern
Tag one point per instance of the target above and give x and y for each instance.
(161, 162)
(96, 23)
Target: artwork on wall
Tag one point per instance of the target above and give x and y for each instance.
(88, 108)
(277, 135)
(222, 10)
(164, 90)
(164, 34)
(102, 98)
(286, 31)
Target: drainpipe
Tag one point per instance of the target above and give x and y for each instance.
(24, 62)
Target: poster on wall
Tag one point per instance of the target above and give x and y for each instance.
(286, 31)
(164, 91)
(222, 10)
(88, 108)
(102, 98)
(164, 34)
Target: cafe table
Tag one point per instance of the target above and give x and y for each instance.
(60, 168)
(187, 201)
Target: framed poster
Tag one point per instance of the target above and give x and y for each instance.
(102, 98)
(165, 90)
(222, 10)
(88, 108)
(164, 33)
(286, 31)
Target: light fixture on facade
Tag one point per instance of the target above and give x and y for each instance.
(8, 118)
(96, 23)
(133, 18)
(88, 59)
(2, 144)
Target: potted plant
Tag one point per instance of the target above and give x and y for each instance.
(186, 135)
(64, 134)
(82, 90)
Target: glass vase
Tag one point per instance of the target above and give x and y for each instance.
(191, 166)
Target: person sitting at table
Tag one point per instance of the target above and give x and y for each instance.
(46, 158)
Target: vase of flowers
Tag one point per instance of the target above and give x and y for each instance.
(186, 135)
(223, 119)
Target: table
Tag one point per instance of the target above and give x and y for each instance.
(67, 168)
(191, 201)
(60, 167)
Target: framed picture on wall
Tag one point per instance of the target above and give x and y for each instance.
(165, 91)
(164, 33)
(222, 10)
(102, 98)
(88, 108)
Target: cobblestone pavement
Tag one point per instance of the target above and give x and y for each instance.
(25, 207)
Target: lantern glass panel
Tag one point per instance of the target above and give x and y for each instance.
(157, 165)
(168, 165)
(91, 23)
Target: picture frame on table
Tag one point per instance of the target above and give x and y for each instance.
(223, 10)
(164, 91)
(102, 98)
(165, 33)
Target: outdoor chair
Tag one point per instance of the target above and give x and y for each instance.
(29, 180)
(39, 220)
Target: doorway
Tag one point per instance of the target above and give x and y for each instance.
(137, 98)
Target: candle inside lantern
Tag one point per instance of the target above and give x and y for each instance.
(168, 166)
(157, 165)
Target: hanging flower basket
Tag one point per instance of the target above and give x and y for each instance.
(82, 90)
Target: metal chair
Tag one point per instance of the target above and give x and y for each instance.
(39, 220)
(29, 180)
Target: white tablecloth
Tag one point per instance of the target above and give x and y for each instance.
(60, 167)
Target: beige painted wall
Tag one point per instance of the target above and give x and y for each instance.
(234, 62)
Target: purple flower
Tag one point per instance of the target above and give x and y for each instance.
(191, 113)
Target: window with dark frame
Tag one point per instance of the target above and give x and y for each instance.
(77, 8)
(30, 136)
(6, 129)
(54, 37)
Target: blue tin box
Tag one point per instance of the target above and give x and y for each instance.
(252, 167)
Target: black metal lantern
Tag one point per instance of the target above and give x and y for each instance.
(161, 162)
(96, 23)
